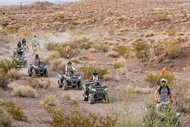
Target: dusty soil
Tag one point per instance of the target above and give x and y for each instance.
(103, 24)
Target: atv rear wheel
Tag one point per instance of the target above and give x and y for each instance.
(91, 99)
(46, 73)
(107, 100)
(29, 72)
(65, 85)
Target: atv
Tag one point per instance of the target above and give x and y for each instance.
(25, 47)
(94, 91)
(22, 60)
(38, 69)
(34, 45)
(16, 50)
(69, 79)
(164, 113)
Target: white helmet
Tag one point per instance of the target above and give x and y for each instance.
(163, 81)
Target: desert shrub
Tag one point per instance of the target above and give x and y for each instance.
(182, 97)
(162, 16)
(24, 91)
(7, 65)
(5, 118)
(125, 93)
(88, 71)
(81, 118)
(107, 77)
(76, 60)
(39, 83)
(155, 78)
(85, 45)
(136, 89)
(56, 64)
(100, 47)
(121, 62)
(172, 32)
(50, 100)
(74, 102)
(15, 111)
(113, 54)
(142, 49)
(4, 80)
(14, 74)
(51, 45)
(149, 34)
(67, 96)
(123, 51)
(173, 50)
(92, 50)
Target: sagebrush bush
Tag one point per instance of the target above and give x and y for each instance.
(5, 118)
(4, 80)
(74, 102)
(142, 49)
(77, 117)
(162, 16)
(121, 62)
(155, 78)
(107, 77)
(173, 50)
(7, 65)
(56, 64)
(14, 74)
(15, 111)
(113, 54)
(38, 83)
(24, 91)
(50, 100)
(123, 51)
(67, 96)
(88, 71)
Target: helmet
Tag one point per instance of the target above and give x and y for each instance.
(163, 81)
(36, 56)
(95, 72)
(69, 62)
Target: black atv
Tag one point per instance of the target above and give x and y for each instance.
(21, 60)
(94, 91)
(38, 69)
(16, 50)
(69, 79)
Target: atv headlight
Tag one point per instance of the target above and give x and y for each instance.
(79, 77)
(25, 58)
(106, 89)
(45, 67)
(94, 90)
(178, 114)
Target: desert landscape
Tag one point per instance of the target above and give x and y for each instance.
(130, 42)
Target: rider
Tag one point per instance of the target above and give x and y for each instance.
(163, 93)
(37, 59)
(19, 44)
(69, 67)
(94, 77)
(23, 41)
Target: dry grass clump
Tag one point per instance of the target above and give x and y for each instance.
(74, 102)
(122, 70)
(38, 83)
(67, 96)
(173, 50)
(15, 111)
(123, 51)
(113, 54)
(75, 60)
(92, 50)
(121, 62)
(136, 89)
(14, 74)
(24, 91)
(50, 100)
(4, 80)
(149, 34)
(107, 77)
(75, 116)
(142, 49)
(5, 118)
(56, 64)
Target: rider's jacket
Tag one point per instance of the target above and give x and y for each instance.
(163, 96)
(95, 78)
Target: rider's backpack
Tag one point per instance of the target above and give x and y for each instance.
(160, 88)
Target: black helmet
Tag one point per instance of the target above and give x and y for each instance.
(23, 39)
(95, 72)
(69, 62)
(36, 56)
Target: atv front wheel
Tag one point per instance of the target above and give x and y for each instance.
(84, 97)
(33, 73)
(65, 85)
(60, 86)
(107, 100)
(91, 99)
(46, 73)
(80, 85)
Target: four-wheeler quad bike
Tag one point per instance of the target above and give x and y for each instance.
(164, 114)
(69, 79)
(16, 50)
(95, 91)
(21, 60)
(38, 69)
(34, 45)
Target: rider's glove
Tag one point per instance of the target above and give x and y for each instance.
(157, 102)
